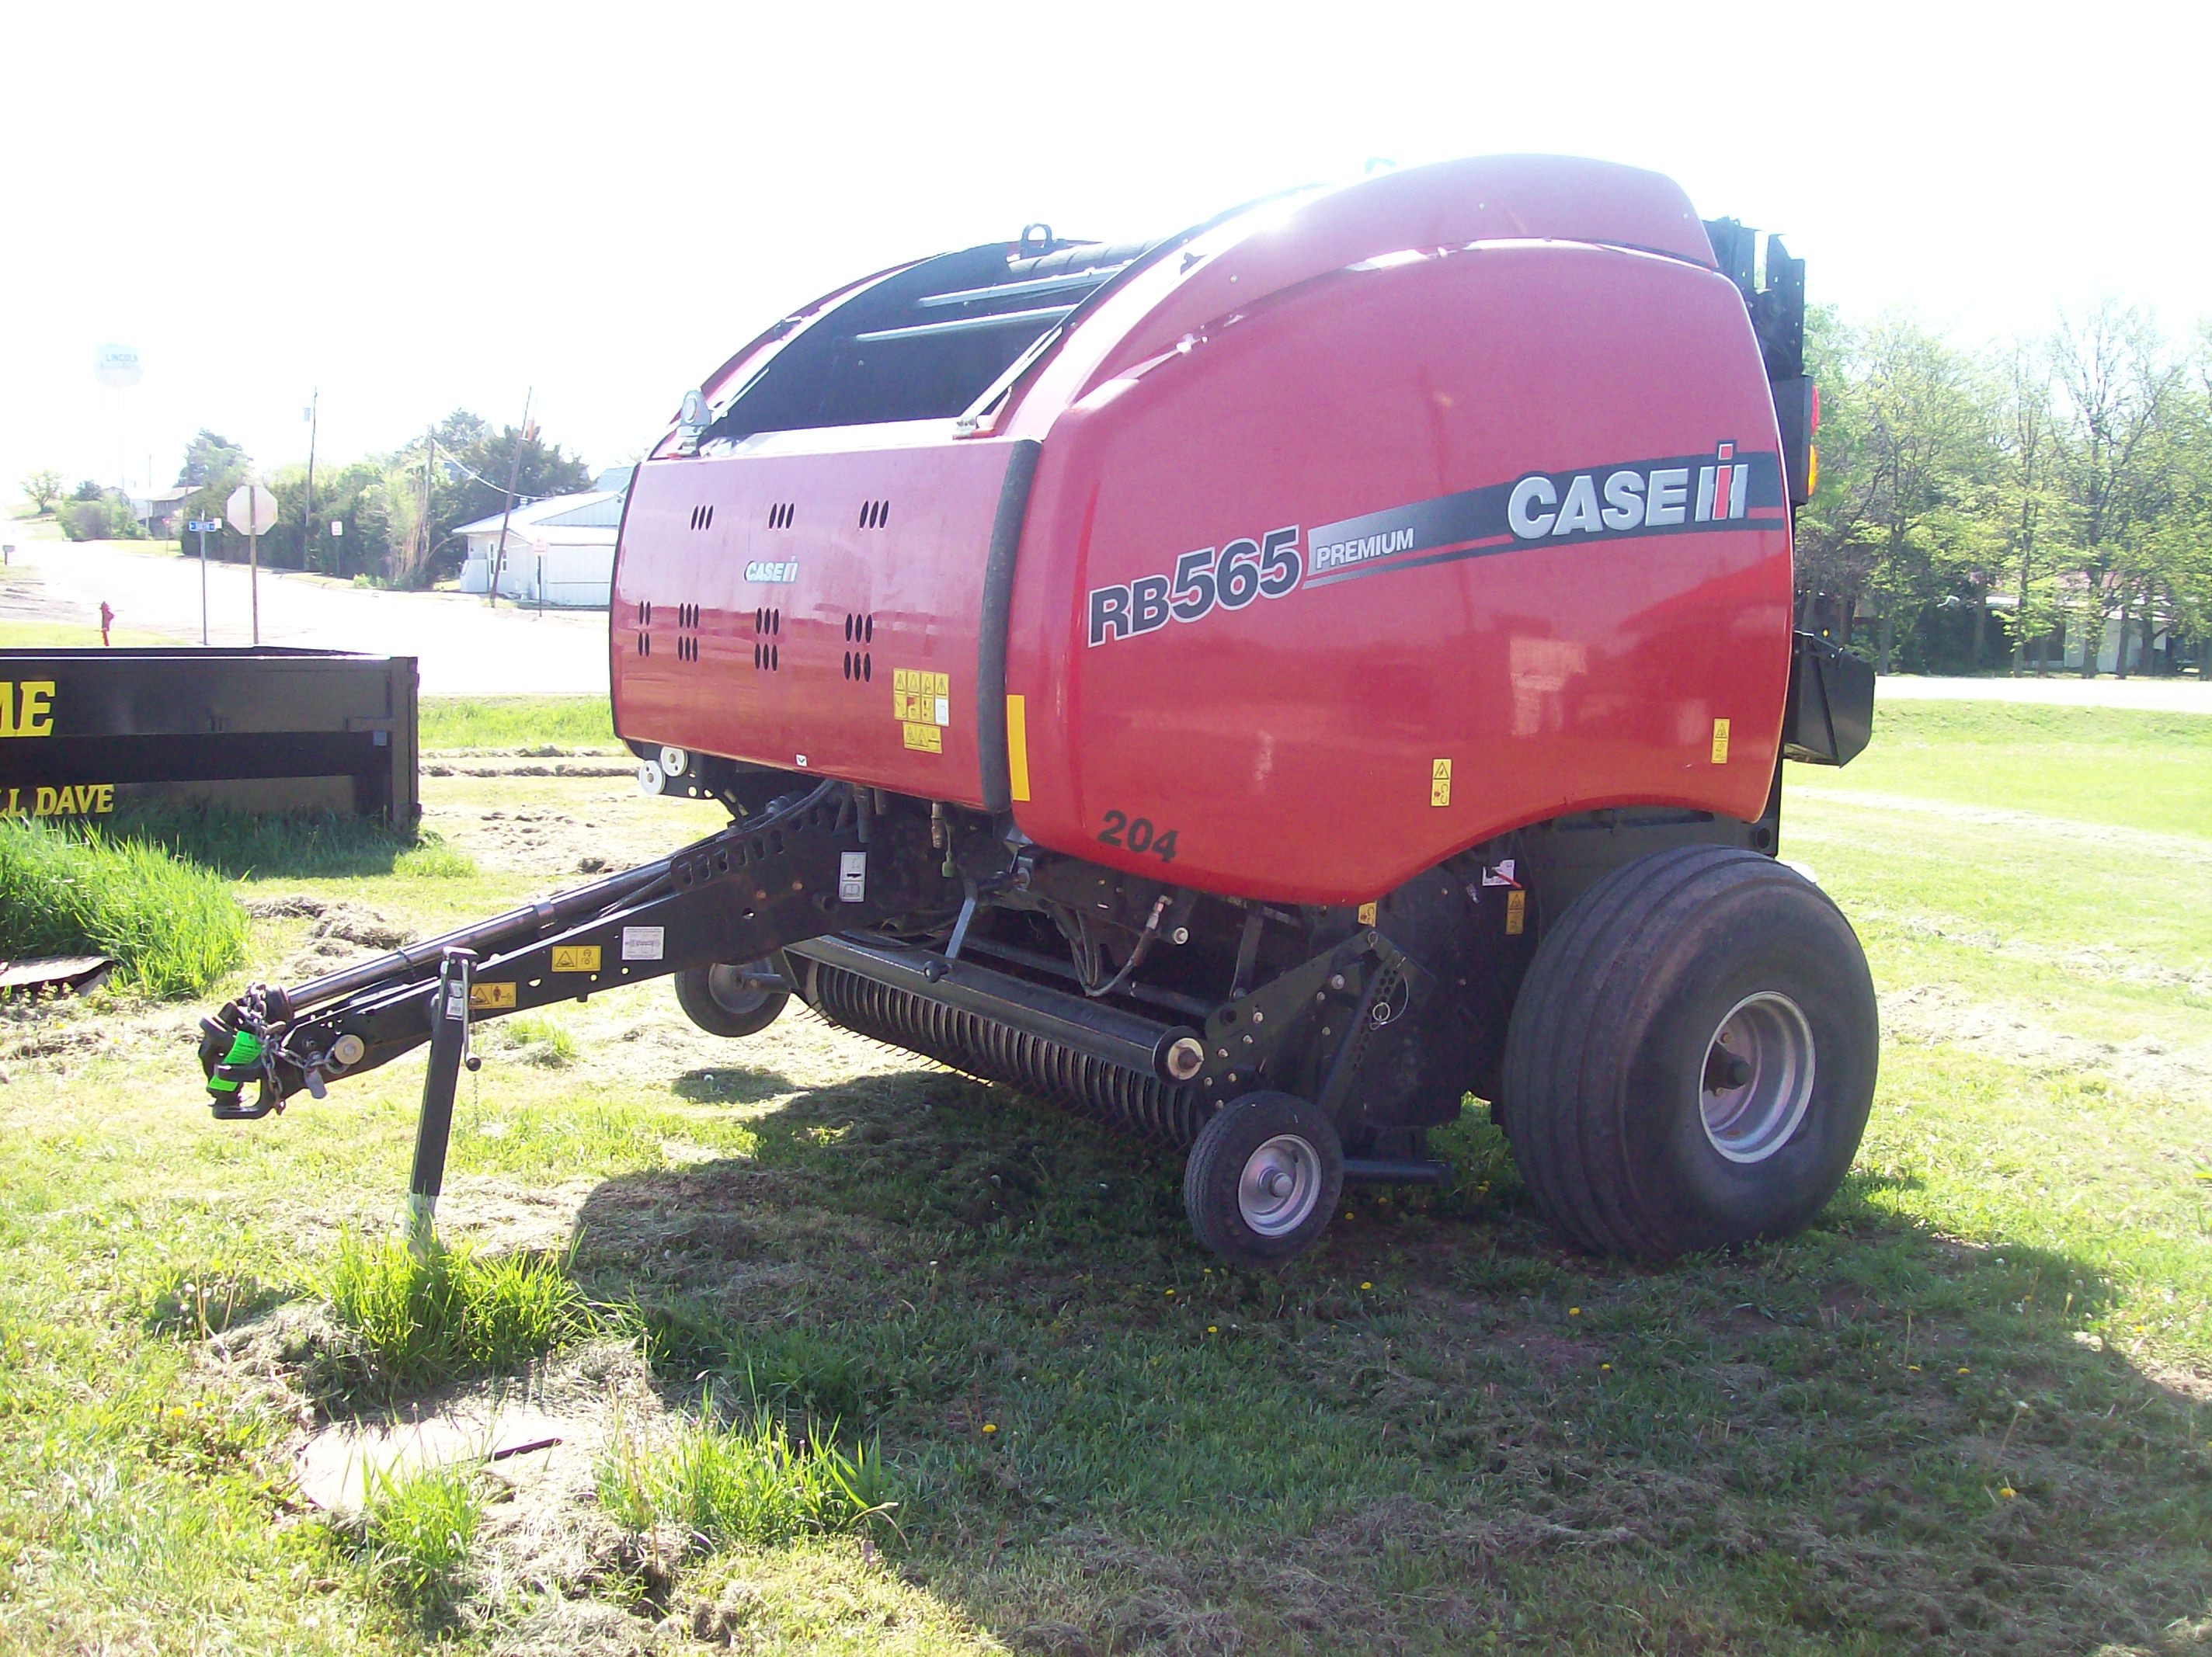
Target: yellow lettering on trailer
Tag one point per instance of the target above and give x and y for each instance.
(26, 707)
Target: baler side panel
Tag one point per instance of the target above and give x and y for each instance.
(1292, 746)
(812, 605)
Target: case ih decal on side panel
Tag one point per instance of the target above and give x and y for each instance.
(1714, 491)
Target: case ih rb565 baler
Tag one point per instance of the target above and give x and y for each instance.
(1258, 687)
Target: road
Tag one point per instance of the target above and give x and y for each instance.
(463, 648)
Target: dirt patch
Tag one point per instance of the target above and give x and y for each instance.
(1934, 1014)
(537, 839)
(342, 933)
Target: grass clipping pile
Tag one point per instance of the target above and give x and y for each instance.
(173, 928)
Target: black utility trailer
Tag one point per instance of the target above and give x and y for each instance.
(260, 729)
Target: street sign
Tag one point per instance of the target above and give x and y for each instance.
(337, 526)
(203, 526)
(250, 509)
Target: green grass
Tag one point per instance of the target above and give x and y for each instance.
(412, 1534)
(245, 845)
(746, 1481)
(173, 928)
(421, 1319)
(1440, 1432)
(62, 635)
(2090, 765)
(450, 723)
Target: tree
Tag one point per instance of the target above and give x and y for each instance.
(2022, 491)
(45, 488)
(209, 459)
(2116, 378)
(1905, 518)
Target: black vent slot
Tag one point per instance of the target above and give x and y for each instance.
(780, 513)
(874, 514)
(702, 518)
(768, 628)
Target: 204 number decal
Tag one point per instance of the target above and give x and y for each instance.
(1139, 835)
(1227, 577)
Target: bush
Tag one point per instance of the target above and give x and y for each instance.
(104, 516)
(173, 928)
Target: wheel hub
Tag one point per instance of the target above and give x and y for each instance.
(1758, 1079)
(735, 989)
(1279, 1185)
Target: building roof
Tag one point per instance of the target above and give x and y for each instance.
(558, 510)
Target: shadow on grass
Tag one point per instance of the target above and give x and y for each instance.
(1436, 1429)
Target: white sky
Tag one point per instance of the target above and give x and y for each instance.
(418, 208)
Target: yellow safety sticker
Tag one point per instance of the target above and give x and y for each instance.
(927, 739)
(1018, 747)
(922, 698)
(1517, 912)
(491, 995)
(575, 957)
(1720, 742)
(1367, 914)
(1440, 782)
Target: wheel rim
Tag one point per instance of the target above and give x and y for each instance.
(1280, 1186)
(1758, 1079)
(734, 989)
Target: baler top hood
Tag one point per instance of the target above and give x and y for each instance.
(964, 334)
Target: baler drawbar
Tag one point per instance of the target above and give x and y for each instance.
(1261, 688)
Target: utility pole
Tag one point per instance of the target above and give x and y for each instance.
(507, 511)
(307, 518)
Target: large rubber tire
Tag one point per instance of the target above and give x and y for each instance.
(713, 998)
(1620, 1074)
(1259, 1135)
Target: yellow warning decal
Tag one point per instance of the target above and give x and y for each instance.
(1367, 914)
(1440, 782)
(922, 702)
(1720, 742)
(491, 995)
(1517, 912)
(920, 698)
(575, 957)
(1018, 747)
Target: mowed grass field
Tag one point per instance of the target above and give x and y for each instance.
(1970, 1411)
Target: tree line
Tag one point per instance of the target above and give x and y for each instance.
(1990, 509)
(388, 520)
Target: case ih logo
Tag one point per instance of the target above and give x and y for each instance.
(1635, 497)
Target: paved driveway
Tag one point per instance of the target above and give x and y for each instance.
(464, 647)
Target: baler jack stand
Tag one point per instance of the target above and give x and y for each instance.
(449, 1041)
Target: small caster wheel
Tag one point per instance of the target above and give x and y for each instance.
(1263, 1179)
(730, 1000)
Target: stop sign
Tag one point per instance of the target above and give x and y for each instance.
(250, 509)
